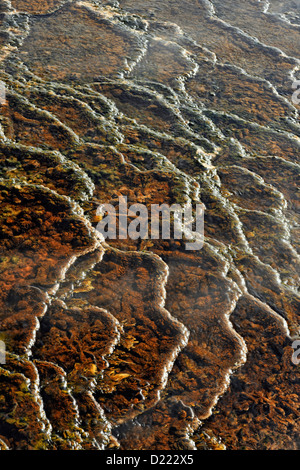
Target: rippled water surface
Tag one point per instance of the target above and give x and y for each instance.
(141, 344)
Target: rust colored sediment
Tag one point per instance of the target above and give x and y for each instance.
(141, 344)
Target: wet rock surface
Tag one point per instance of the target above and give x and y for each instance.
(141, 344)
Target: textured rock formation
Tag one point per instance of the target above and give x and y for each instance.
(140, 344)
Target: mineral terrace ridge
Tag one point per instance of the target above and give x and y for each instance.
(141, 344)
